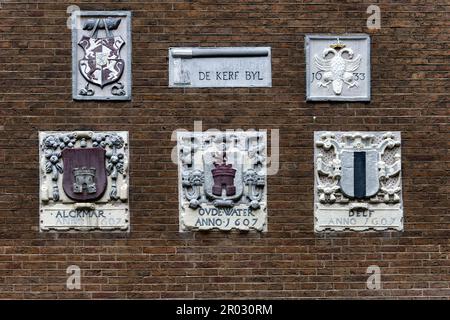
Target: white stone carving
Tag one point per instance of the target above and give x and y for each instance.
(357, 181)
(101, 55)
(337, 67)
(338, 70)
(229, 67)
(222, 180)
(84, 180)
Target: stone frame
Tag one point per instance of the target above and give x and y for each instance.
(188, 55)
(357, 36)
(247, 154)
(125, 53)
(331, 201)
(53, 199)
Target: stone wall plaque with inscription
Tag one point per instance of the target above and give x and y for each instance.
(220, 67)
(84, 180)
(101, 55)
(222, 180)
(337, 67)
(358, 183)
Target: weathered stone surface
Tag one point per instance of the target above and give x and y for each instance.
(358, 183)
(337, 67)
(220, 67)
(101, 55)
(84, 180)
(222, 180)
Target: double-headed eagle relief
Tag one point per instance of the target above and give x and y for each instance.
(102, 56)
(338, 67)
(84, 180)
(222, 180)
(358, 181)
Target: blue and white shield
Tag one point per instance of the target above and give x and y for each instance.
(359, 173)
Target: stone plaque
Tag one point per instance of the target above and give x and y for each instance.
(222, 180)
(84, 180)
(337, 67)
(358, 182)
(101, 55)
(220, 67)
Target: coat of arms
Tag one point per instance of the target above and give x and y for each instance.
(358, 181)
(84, 181)
(338, 64)
(84, 176)
(100, 63)
(222, 180)
(337, 67)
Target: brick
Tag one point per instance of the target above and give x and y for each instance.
(155, 261)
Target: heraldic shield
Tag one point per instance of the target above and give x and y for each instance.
(101, 64)
(359, 173)
(223, 178)
(84, 177)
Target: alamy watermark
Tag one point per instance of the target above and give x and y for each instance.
(72, 21)
(74, 280)
(374, 20)
(273, 161)
(374, 280)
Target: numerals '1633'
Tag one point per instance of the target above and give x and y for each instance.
(357, 75)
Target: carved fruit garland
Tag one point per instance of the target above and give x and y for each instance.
(54, 144)
(115, 159)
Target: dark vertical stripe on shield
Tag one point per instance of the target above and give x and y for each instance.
(359, 174)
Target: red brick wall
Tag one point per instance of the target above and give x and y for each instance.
(410, 87)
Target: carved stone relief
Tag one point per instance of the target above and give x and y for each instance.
(222, 180)
(84, 180)
(358, 181)
(337, 67)
(101, 54)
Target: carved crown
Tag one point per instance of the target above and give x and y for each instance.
(338, 45)
(358, 140)
(84, 171)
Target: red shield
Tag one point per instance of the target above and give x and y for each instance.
(84, 177)
(101, 64)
